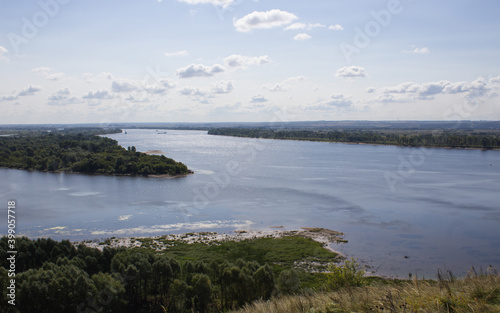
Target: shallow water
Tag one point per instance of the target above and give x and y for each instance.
(402, 209)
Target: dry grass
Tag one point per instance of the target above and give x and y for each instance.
(476, 293)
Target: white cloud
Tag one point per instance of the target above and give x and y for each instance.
(62, 97)
(125, 86)
(296, 26)
(424, 91)
(42, 70)
(29, 91)
(478, 87)
(390, 98)
(276, 87)
(432, 88)
(401, 88)
(48, 73)
(55, 76)
(409, 91)
(302, 37)
(99, 94)
(3, 52)
(204, 95)
(370, 90)
(199, 70)
(9, 98)
(236, 60)
(264, 20)
(495, 80)
(339, 101)
(222, 87)
(294, 79)
(176, 54)
(138, 99)
(191, 91)
(284, 85)
(303, 26)
(124, 217)
(160, 88)
(128, 86)
(336, 27)
(259, 98)
(457, 87)
(221, 3)
(416, 50)
(351, 72)
(336, 103)
(89, 78)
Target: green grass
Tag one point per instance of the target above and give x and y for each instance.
(284, 251)
(280, 253)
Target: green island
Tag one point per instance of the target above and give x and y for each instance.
(441, 138)
(81, 150)
(206, 272)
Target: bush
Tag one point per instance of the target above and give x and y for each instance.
(350, 274)
(289, 281)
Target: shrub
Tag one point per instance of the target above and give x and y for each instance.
(350, 274)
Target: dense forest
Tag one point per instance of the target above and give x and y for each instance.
(54, 276)
(445, 138)
(81, 151)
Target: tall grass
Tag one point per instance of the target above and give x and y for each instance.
(475, 293)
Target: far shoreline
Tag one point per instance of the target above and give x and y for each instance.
(366, 143)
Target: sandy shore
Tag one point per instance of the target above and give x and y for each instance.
(321, 235)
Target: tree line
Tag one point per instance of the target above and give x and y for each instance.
(446, 138)
(56, 277)
(81, 152)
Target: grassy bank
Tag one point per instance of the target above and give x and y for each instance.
(476, 293)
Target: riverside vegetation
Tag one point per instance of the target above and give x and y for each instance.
(81, 151)
(54, 276)
(250, 276)
(480, 139)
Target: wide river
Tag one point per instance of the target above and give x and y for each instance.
(403, 210)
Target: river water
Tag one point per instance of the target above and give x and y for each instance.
(403, 210)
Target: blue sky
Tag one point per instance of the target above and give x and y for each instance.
(74, 61)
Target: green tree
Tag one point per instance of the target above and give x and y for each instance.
(179, 295)
(264, 280)
(109, 296)
(288, 281)
(202, 292)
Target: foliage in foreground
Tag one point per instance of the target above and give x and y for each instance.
(54, 276)
(476, 293)
(81, 152)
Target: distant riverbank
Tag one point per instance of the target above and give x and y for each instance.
(83, 151)
(448, 139)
